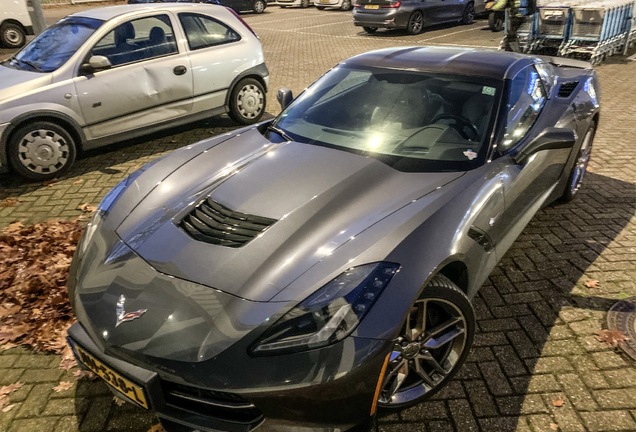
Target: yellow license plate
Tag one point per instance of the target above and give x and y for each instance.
(371, 6)
(324, 1)
(112, 378)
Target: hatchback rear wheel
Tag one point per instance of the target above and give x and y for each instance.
(416, 23)
(433, 344)
(247, 101)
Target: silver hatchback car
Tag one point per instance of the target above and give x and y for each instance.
(108, 74)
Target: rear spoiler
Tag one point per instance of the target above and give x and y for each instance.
(561, 61)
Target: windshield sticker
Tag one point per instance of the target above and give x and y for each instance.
(470, 154)
(490, 91)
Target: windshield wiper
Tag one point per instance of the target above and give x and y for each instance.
(29, 63)
(280, 132)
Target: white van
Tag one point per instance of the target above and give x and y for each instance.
(15, 23)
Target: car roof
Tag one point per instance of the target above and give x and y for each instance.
(109, 12)
(487, 63)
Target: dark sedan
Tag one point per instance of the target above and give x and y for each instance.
(413, 15)
(298, 274)
(256, 6)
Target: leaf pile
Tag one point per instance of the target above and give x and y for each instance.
(34, 262)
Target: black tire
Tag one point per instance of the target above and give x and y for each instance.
(247, 101)
(304, 3)
(320, 7)
(283, 6)
(469, 14)
(423, 360)
(259, 6)
(496, 21)
(346, 5)
(41, 150)
(577, 173)
(370, 30)
(12, 35)
(416, 23)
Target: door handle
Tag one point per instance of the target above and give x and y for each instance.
(179, 70)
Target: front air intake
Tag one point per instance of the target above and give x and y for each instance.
(214, 223)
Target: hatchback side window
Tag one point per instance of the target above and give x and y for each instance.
(526, 99)
(137, 40)
(203, 31)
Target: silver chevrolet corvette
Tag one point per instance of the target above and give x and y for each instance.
(301, 273)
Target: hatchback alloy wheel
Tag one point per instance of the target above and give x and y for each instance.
(469, 14)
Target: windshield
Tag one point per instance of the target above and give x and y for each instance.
(413, 121)
(55, 45)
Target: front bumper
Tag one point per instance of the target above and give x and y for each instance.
(336, 405)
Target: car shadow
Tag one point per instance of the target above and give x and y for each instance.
(537, 319)
(117, 159)
(383, 33)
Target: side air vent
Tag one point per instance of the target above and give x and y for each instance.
(567, 88)
(213, 223)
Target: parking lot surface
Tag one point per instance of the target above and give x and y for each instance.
(536, 365)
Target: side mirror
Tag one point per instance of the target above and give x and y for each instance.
(285, 97)
(95, 64)
(550, 139)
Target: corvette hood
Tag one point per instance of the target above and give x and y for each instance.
(317, 198)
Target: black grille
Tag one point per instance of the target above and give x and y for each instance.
(224, 406)
(211, 222)
(567, 88)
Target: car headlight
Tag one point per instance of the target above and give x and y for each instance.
(330, 314)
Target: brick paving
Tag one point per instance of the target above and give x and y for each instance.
(537, 319)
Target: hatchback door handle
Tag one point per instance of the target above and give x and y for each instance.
(179, 70)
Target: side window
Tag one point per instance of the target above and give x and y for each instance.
(526, 99)
(137, 40)
(203, 31)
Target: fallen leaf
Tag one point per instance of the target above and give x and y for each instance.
(118, 401)
(81, 373)
(63, 386)
(554, 426)
(8, 408)
(8, 389)
(592, 283)
(34, 262)
(156, 428)
(9, 202)
(87, 208)
(559, 402)
(611, 337)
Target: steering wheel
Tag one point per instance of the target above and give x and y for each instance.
(460, 125)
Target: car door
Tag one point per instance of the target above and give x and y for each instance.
(528, 185)
(149, 81)
(433, 10)
(215, 51)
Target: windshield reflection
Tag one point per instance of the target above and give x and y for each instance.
(411, 120)
(55, 45)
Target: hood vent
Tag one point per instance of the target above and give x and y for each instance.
(567, 88)
(213, 223)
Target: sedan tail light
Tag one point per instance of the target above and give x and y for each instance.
(392, 5)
